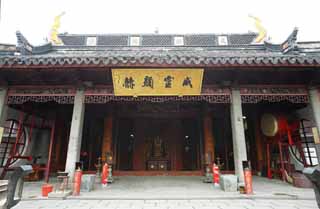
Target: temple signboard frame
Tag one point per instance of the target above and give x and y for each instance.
(157, 82)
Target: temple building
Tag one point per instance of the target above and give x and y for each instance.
(160, 104)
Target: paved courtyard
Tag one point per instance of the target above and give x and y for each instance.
(174, 192)
(169, 204)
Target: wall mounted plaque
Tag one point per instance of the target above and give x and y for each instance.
(157, 82)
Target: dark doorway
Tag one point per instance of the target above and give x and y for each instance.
(191, 145)
(167, 144)
(125, 144)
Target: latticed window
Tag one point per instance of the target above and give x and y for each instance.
(10, 134)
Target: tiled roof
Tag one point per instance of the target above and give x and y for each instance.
(112, 40)
(241, 39)
(201, 40)
(161, 57)
(74, 40)
(158, 39)
(7, 49)
(113, 51)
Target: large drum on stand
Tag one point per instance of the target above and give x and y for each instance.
(272, 125)
(275, 128)
(281, 135)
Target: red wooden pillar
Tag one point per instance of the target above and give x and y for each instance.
(107, 137)
(50, 151)
(259, 145)
(269, 172)
(58, 144)
(209, 141)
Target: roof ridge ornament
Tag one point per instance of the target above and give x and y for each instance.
(25, 48)
(54, 39)
(261, 30)
(23, 45)
(290, 44)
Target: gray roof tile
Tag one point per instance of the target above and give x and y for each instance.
(199, 50)
(236, 39)
(201, 40)
(157, 39)
(112, 40)
(161, 57)
(78, 40)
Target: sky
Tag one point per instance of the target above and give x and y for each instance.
(34, 18)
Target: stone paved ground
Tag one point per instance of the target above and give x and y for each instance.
(173, 187)
(169, 204)
(174, 192)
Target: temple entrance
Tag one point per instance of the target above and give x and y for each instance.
(152, 144)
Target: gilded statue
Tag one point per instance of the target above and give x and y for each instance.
(262, 31)
(158, 147)
(54, 30)
(155, 148)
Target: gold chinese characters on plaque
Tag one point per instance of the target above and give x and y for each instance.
(157, 82)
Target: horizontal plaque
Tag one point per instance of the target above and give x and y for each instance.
(157, 82)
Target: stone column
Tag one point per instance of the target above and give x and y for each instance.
(238, 137)
(74, 146)
(3, 106)
(314, 95)
(208, 136)
(107, 137)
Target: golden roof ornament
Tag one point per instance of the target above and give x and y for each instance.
(54, 39)
(261, 30)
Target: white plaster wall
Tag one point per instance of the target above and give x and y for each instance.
(306, 113)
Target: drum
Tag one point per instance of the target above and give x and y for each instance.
(272, 124)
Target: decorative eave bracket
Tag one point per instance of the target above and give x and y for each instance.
(288, 46)
(25, 48)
